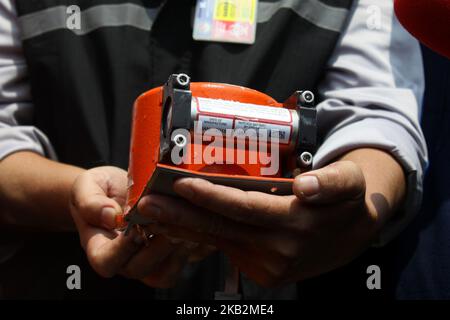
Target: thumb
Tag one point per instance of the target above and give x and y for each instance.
(337, 182)
(90, 202)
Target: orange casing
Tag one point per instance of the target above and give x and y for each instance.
(145, 138)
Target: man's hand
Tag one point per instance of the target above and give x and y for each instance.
(98, 196)
(335, 214)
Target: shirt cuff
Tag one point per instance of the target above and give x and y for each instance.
(393, 138)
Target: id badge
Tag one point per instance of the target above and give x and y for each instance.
(226, 21)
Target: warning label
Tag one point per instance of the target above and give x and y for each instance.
(221, 124)
(243, 110)
(284, 132)
(253, 121)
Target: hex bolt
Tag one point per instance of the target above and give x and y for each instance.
(180, 140)
(307, 97)
(305, 159)
(183, 79)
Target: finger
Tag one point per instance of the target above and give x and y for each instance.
(108, 256)
(107, 251)
(200, 244)
(255, 208)
(257, 266)
(337, 182)
(166, 274)
(254, 272)
(148, 258)
(174, 233)
(90, 201)
(116, 184)
(209, 225)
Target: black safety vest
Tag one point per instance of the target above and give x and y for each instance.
(84, 81)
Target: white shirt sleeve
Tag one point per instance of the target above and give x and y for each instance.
(373, 91)
(16, 107)
(372, 88)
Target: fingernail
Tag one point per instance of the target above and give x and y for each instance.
(308, 185)
(108, 218)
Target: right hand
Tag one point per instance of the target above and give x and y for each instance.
(97, 198)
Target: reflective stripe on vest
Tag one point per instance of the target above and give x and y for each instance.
(140, 17)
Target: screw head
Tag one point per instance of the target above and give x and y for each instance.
(308, 96)
(183, 79)
(305, 159)
(180, 140)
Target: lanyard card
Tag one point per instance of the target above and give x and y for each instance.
(226, 21)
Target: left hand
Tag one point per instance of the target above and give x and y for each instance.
(276, 239)
(97, 198)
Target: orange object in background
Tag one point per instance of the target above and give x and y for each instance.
(428, 21)
(191, 117)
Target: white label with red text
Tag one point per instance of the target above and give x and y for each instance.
(239, 110)
(251, 118)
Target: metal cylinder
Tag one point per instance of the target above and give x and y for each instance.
(230, 116)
